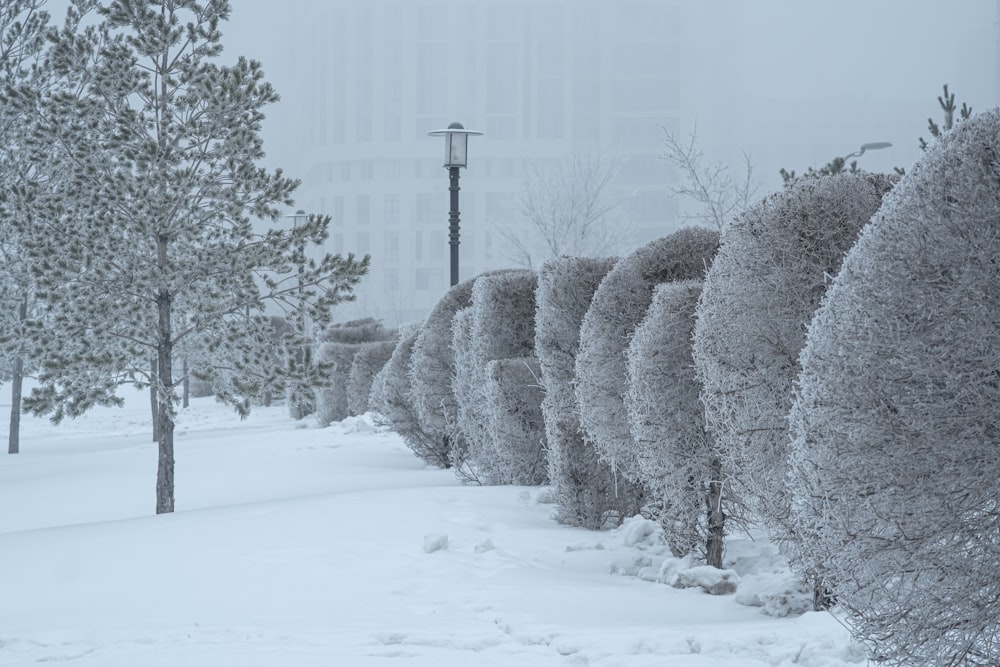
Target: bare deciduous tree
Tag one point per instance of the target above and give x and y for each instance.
(569, 210)
(712, 187)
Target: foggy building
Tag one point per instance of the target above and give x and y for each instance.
(542, 80)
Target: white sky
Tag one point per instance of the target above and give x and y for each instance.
(786, 80)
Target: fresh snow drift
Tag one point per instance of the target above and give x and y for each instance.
(300, 546)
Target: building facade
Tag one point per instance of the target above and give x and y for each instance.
(544, 80)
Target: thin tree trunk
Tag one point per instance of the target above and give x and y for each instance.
(16, 388)
(15, 407)
(186, 400)
(165, 383)
(716, 518)
(154, 402)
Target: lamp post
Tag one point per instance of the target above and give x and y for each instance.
(874, 146)
(456, 153)
(300, 399)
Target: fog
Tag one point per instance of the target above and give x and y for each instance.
(792, 84)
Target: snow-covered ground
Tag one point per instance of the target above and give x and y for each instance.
(298, 546)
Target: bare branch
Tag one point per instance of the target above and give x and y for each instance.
(718, 195)
(568, 209)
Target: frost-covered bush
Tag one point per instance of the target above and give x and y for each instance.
(363, 330)
(774, 265)
(674, 452)
(394, 403)
(514, 414)
(368, 361)
(896, 423)
(432, 367)
(376, 397)
(618, 306)
(585, 489)
(341, 342)
(331, 397)
(467, 386)
(501, 325)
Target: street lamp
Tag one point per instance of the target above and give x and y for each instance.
(874, 146)
(300, 401)
(456, 153)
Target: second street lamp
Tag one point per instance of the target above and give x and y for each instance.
(456, 153)
(877, 145)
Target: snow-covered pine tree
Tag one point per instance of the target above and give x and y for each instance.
(896, 421)
(23, 24)
(619, 304)
(775, 263)
(677, 462)
(146, 236)
(586, 491)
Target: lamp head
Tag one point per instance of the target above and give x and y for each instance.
(456, 144)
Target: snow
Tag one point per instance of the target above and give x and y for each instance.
(301, 546)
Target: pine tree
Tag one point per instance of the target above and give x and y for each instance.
(947, 102)
(145, 239)
(23, 24)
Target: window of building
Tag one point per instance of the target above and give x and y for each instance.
(431, 208)
(364, 209)
(390, 209)
(432, 83)
(364, 244)
(645, 96)
(437, 243)
(501, 78)
(390, 247)
(503, 22)
(392, 106)
(551, 109)
(364, 110)
(638, 132)
(393, 169)
(500, 207)
(391, 280)
(550, 46)
(338, 210)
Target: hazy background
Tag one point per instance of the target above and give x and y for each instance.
(791, 83)
(783, 79)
